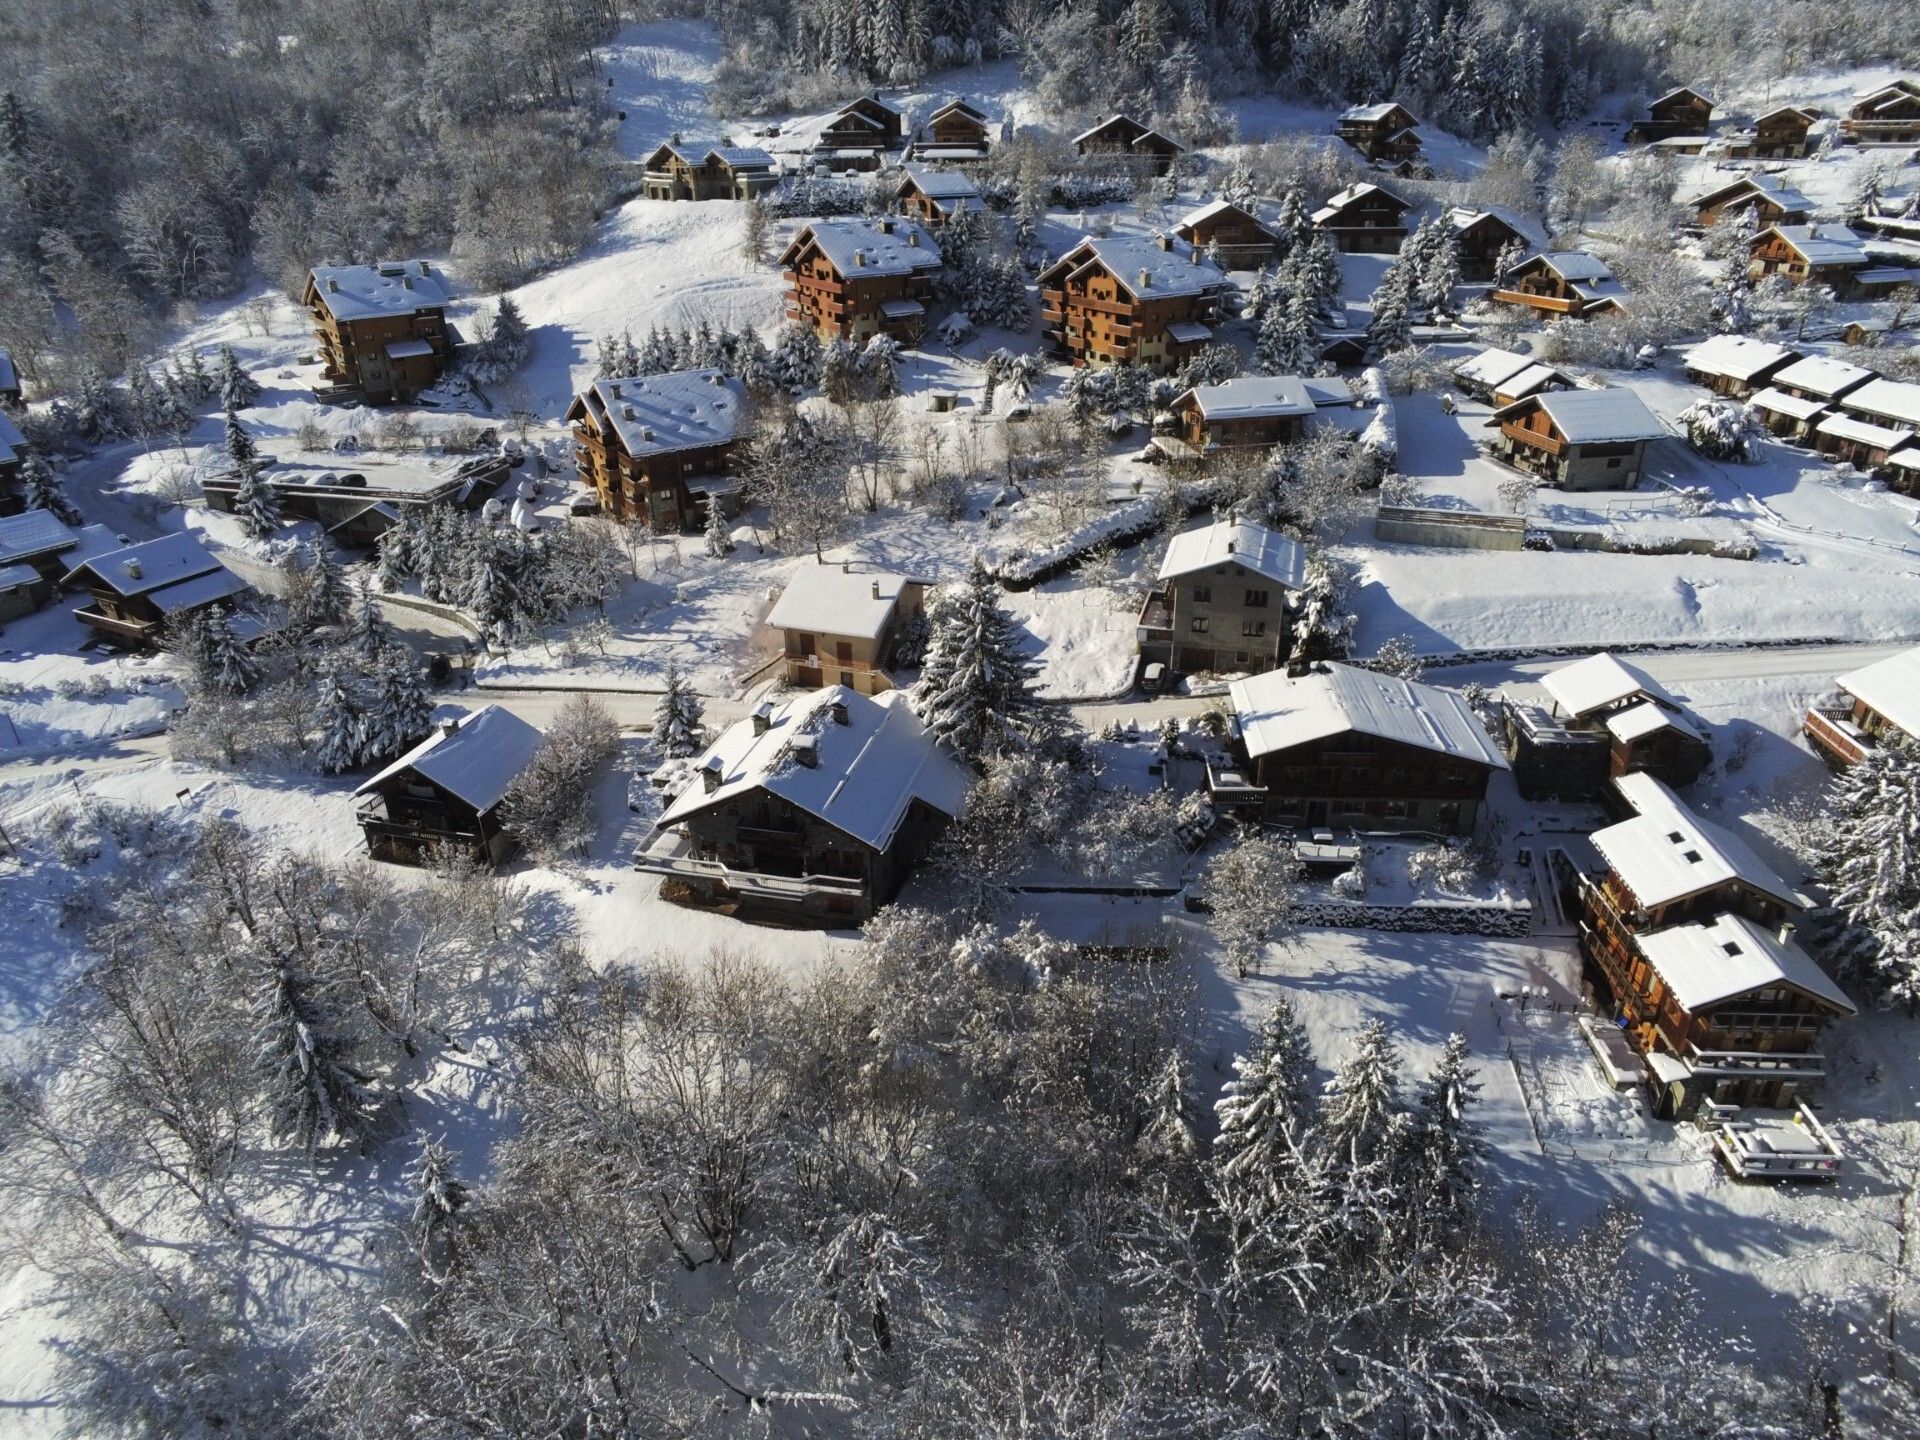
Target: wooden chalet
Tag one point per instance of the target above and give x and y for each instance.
(1578, 439)
(1801, 395)
(1384, 133)
(812, 810)
(933, 197)
(1503, 377)
(657, 448)
(1126, 299)
(1887, 116)
(1485, 234)
(840, 628)
(382, 328)
(1122, 137)
(854, 279)
(1679, 114)
(1220, 602)
(138, 591)
(1830, 255)
(10, 390)
(1736, 365)
(13, 458)
(958, 133)
(447, 792)
(1248, 412)
(1221, 228)
(38, 550)
(858, 132)
(1604, 718)
(1888, 414)
(1878, 704)
(1766, 198)
(1780, 134)
(1562, 282)
(1338, 745)
(1364, 219)
(1688, 936)
(1864, 444)
(708, 170)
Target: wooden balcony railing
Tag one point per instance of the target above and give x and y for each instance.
(1538, 302)
(1533, 439)
(1836, 737)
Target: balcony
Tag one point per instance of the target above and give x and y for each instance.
(1773, 1149)
(140, 632)
(1757, 1064)
(746, 884)
(1532, 439)
(1550, 303)
(1835, 737)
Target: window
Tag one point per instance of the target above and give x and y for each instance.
(1613, 464)
(1203, 594)
(1397, 809)
(1198, 625)
(1256, 599)
(843, 651)
(1253, 628)
(846, 678)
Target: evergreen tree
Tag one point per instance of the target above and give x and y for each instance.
(1168, 1138)
(141, 405)
(97, 411)
(398, 550)
(1294, 223)
(505, 348)
(1267, 1113)
(1288, 343)
(1364, 1122)
(719, 534)
(1445, 1150)
(880, 366)
(679, 720)
(975, 691)
(338, 717)
(398, 712)
(1392, 325)
(241, 450)
(230, 664)
(1440, 270)
(328, 596)
(488, 595)
(439, 1197)
(315, 1090)
(1873, 868)
(238, 389)
(367, 631)
(255, 502)
(42, 489)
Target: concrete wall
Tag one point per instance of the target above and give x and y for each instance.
(1449, 529)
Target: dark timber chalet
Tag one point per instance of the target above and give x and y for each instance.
(1246, 412)
(1222, 228)
(1578, 439)
(815, 809)
(644, 443)
(1682, 113)
(1125, 137)
(1342, 746)
(708, 170)
(933, 197)
(1689, 936)
(13, 455)
(382, 328)
(1780, 134)
(955, 134)
(1220, 602)
(1562, 282)
(1364, 219)
(1604, 718)
(857, 132)
(37, 551)
(139, 591)
(1887, 116)
(1876, 705)
(1485, 234)
(853, 279)
(1384, 133)
(1128, 299)
(1769, 201)
(1830, 255)
(10, 391)
(447, 791)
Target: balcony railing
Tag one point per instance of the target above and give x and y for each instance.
(1538, 302)
(1533, 439)
(1836, 736)
(1757, 1064)
(140, 630)
(747, 883)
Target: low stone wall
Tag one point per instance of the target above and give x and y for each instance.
(1422, 917)
(1449, 529)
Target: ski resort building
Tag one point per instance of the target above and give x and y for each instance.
(1604, 718)
(1737, 365)
(958, 133)
(1683, 114)
(447, 792)
(841, 628)
(1872, 706)
(1364, 219)
(1887, 116)
(1222, 230)
(1121, 137)
(658, 447)
(139, 591)
(1126, 298)
(708, 170)
(382, 328)
(1384, 133)
(934, 197)
(1769, 201)
(854, 279)
(1221, 601)
(1562, 282)
(815, 809)
(1578, 439)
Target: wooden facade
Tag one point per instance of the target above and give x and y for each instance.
(1125, 300)
(1364, 219)
(448, 793)
(382, 328)
(958, 132)
(1484, 237)
(1121, 137)
(866, 123)
(1383, 134)
(851, 280)
(683, 171)
(136, 594)
(1543, 283)
(1532, 438)
(1679, 112)
(842, 629)
(1226, 230)
(1889, 116)
(935, 197)
(644, 444)
(1777, 135)
(1368, 783)
(1809, 255)
(1770, 205)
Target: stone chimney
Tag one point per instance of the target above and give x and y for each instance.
(806, 750)
(450, 728)
(1231, 544)
(1146, 278)
(1165, 242)
(1786, 932)
(406, 281)
(859, 259)
(763, 717)
(132, 567)
(839, 710)
(710, 776)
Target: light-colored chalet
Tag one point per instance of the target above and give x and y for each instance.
(1485, 233)
(382, 328)
(1384, 133)
(1887, 116)
(645, 443)
(840, 628)
(1737, 365)
(814, 809)
(1219, 604)
(1338, 745)
(1770, 201)
(1126, 298)
(1689, 935)
(1123, 137)
(1562, 282)
(1364, 219)
(854, 137)
(1862, 443)
(1503, 377)
(1578, 439)
(1877, 704)
(13, 456)
(933, 197)
(1222, 228)
(1682, 114)
(138, 591)
(446, 793)
(958, 133)
(1604, 718)
(1894, 403)
(1803, 394)
(10, 392)
(854, 279)
(708, 170)
(1780, 134)
(1246, 412)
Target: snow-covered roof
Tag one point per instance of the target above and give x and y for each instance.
(1730, 956)
(737, 157)
(1887, 95)
(33, 532)
(386, 287)
(1895, 400)
(1492, 366)
(407, 349)
(1266, 553)
(12, 443)
(1531, 381)
(1141, 266)
(1779, 402)
(886, 246)
(661, 414)
(1193, 219)
(1189, 332)
(1577, 265)
(1907, 457)
(150, 565)
(1759, 186)
(852, 107)
(474, 758)
(1278, 711)
(1638, 721)
(1846, 427)
(865, 774)
(1249, 396)
(218, 583)
(1738, 357)
(1600, 682)
(826, 600)
(1589, 417)
(1780, 110)
(1373, 114)
(1667, 853)
(1891, 687)
(1682, 91)
(1823, 376)
(1884, 276)
(959, 102)
(17, 577)
(942, 184)
(9, 377)
(1351, 195)
(1146, 132)
(1821, 244)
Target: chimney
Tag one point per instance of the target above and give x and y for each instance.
(876, 589)
(839, 710)
(1786, 932)
(1146, 278)
(132, 568)
(763, 717)
(613, 388)
(846, 567)
(333, 286)
(629, 412)
(676, 138)
(913, 238)
(807, 751)
(1165, 242)
(859, 259)
(425, 269)
(646, 433)
(886, 224)
(714, 377)
(450, 728)
(1230, 544)
(407, 281)
(710, 776)
(1193, 256)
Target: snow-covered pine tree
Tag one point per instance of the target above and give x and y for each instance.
(679, 720)
(438, 1198)
(1509, 258)
(196, 383)
(1363, 1121)
(97, 413)
(238, 389)
(241, 451)
(719, 532)
(1445, 1149)
(1267, 1114)
(367, 629)
(1288, 343)
(397, 563)
(488, 594)
(1718, 428)
(230, 664)
(975, 691)
(505, 347)
(341, 722)
(1293, 224)
(1168, 1138)
(398, 711)
(879, 366)
(1251, 887)
(255, 503)
(328, 594)
(1391, 327)
(141, 404)
(1872, 862)
(1440, 271)
(796, 357)
(315, 1090)
(42, 490)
